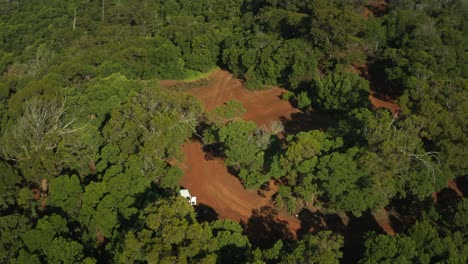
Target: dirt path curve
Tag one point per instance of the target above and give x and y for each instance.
(214, 186)
(262, 106)
(388, 104)
(209, 180)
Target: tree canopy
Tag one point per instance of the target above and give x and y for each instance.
(90, 143)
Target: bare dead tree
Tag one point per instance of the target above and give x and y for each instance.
(102, 11)
(74, 19)
(403, 144)
(274, 128)
(43, 54)
(41, 126)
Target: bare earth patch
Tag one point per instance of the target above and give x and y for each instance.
(388, 104)
(262, 106)
(383, 220)
(209, 179)
(215, 187)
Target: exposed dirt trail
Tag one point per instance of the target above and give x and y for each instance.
(262, 106)
(379, 103)
(214, 186)
(209, 180)
(382, 218)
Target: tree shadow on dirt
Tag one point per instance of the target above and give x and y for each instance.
(205, 213)
(383, 88)
(398, 224)
(264, 228)
(317, 221)
(306, 121)
(264, 188)
(213, 151)
(446, 198)
(462, 183)
(354, 236)
(379, 9)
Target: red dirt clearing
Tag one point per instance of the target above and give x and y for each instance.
(379, 103)
(262, 106)
(453, 185)
(214, 186)
(377, 9)
(209, 180)
(376, 100)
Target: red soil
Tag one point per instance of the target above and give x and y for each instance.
(209, 180)
(383, 220)
(262, 106)
(379, 103)
(378, 9)
(214, 186)
(366, 12)
(36, 194)
(168, 83)
(453, 185)
(377, 100)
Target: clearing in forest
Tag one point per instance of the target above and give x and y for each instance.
(209, 179)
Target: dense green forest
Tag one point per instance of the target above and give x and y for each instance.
(87, 136)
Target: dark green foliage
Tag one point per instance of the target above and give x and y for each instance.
(170, 233)
(278, 62)
(341, 92)
(11, 183)
(65, 192)
(318, 172)
(152, 126)
(299, 162)
(426, 242)
(345, 186)
(101, 95)
(229, 110)
(241, 151)
(392, 142)
(85, 126)
(423, 61)
(323, 247)
(12, 227)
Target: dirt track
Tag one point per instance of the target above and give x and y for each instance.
(262, 106)
(209, 180)
(213, 186)
(379, 103)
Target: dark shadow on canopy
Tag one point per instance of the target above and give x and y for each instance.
(264, 228)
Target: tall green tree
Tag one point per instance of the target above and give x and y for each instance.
(341, 92)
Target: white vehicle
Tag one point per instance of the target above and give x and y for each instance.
(186, 194)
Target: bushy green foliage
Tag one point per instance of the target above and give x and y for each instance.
(241, 151)
(84, 125)
(229, 110)
(171, 233)
(427, 241)
(341, 92)
(323, 247)
(11, 183)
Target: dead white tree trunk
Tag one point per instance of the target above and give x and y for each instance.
(74, 19)
(103, 4)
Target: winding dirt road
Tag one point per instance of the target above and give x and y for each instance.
(209, 180)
